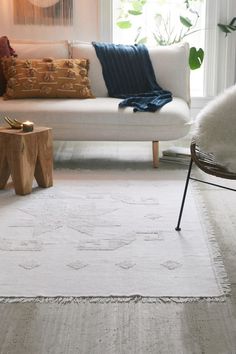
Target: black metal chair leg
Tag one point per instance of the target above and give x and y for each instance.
(178, 228)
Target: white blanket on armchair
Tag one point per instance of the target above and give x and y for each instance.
(216, 128)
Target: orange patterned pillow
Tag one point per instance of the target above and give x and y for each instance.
(48, 78)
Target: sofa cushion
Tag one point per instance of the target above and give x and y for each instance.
(27, 78)
(40, 49)
(101, 119)
(170, 64)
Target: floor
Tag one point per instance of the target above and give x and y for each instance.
(130, 328)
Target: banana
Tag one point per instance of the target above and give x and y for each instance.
(8, 121)
(14, 123)
(17, 121)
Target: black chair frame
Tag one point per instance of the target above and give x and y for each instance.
(206, 162)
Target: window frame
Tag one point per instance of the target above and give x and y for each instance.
(105, 20)
(220, 51)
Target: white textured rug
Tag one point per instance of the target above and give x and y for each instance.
(108, 235)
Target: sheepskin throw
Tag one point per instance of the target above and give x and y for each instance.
(216, 128)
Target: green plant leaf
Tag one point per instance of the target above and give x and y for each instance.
(224, 28)
(142, 40)
(186, 3)
(137, 6)
(136, 13)
(228, 28)
(232, 21)
(185, 21)
(158, 19)
(195, 58)
(124, 24)
(231, 27)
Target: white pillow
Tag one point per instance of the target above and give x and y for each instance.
(86, 50)
(40, 49)
(171, 67)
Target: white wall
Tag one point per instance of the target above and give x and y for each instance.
(85, 26)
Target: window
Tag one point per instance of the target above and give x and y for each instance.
(162, 22)
(218, 71)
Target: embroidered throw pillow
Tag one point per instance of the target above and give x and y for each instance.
(47, 78)
(5, 51)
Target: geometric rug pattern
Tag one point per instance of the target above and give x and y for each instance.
(107, 235)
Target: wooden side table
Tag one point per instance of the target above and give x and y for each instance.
(25, 156)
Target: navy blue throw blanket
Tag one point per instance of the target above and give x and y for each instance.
(128, 74)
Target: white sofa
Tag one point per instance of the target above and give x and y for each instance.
(100, 119)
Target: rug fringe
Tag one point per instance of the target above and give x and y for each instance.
(213, 247)
(111, 300)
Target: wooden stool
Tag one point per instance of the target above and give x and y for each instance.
(25, 156)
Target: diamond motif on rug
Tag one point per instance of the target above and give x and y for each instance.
(29, 265)
(77, 265)
(103, 245)
(171, 265)
(126, 265)
(20, 245)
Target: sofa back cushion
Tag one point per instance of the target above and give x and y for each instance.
(86, 50)
(40, 49)
(170, 65)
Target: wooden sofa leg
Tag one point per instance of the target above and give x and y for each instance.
(155, 153)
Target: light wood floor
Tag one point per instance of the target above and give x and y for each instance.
(132, 328)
